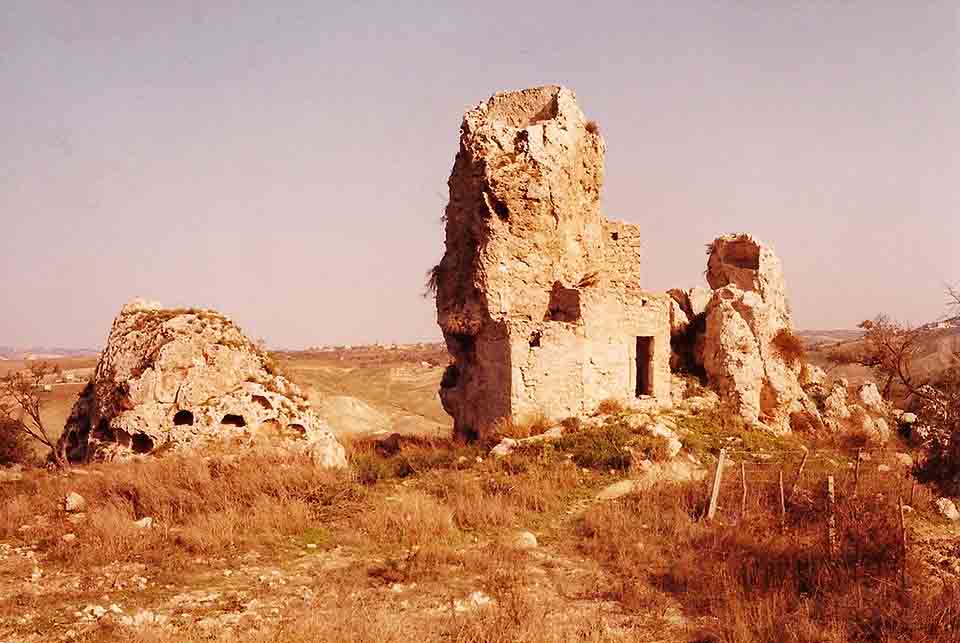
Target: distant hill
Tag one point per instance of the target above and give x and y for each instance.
(44, 352)
(813, 338)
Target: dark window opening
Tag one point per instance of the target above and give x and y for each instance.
(644, 366)
(535, 339)
(183, 418)
(615, 236)
(142, 443)
(564, 304)
(233, 420)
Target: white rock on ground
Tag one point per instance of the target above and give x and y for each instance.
(74, 502)
(905, 460)
(947, 509)
(524, 540)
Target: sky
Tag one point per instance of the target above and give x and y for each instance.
(286, 163)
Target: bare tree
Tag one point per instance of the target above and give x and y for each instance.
(20, 404)
(890, 349)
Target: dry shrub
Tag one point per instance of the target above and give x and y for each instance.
(593, 127)
(806, 423)
(603, 448)
(789, 346)
(610, 406)
(534, 424)
(14, 447)
(373, 460)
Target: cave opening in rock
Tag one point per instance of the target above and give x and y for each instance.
(183, 418)
(141, 443)
(232, 419)
(644, 366)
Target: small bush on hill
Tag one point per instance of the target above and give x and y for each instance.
(789, 346)
(603, 448)
(14, 448)
(610, 406)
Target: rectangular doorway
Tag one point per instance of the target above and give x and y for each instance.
(644, 366)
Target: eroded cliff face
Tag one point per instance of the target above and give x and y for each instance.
(538, 294)
(172, 379)
(740, 334)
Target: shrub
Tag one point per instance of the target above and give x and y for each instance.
(603, 448)
(593, 127)
(523, 428)
(789, 346)
(610, 406)
(13, 444)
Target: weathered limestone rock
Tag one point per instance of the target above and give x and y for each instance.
(736, 332)
(177, 379)
(538, 294)
(864, 414)
(947, 509)
(740, 260)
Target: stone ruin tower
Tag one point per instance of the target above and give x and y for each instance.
(538, 295)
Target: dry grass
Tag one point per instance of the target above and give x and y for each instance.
(429, 512)
(199, 507)
(534, 424)
(610, 406)
(763, 583)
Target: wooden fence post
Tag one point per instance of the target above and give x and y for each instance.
(856, 475)
(903, 546)
(783, 505)
(833, 544)
(715, 493)
(743, 483)
(796, 480)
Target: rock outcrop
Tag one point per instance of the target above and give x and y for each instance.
(538, 294)
(172, 379)
(740, 336)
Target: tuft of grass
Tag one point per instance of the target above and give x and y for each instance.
(789, 346)
(522, 428)
(610, 406)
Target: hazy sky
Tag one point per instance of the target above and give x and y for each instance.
(286, 163)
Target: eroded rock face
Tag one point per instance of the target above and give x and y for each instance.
(173, 379)
(742, 339)
(538, 294)
(740, 350)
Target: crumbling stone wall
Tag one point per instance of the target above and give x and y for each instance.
(538, 294)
